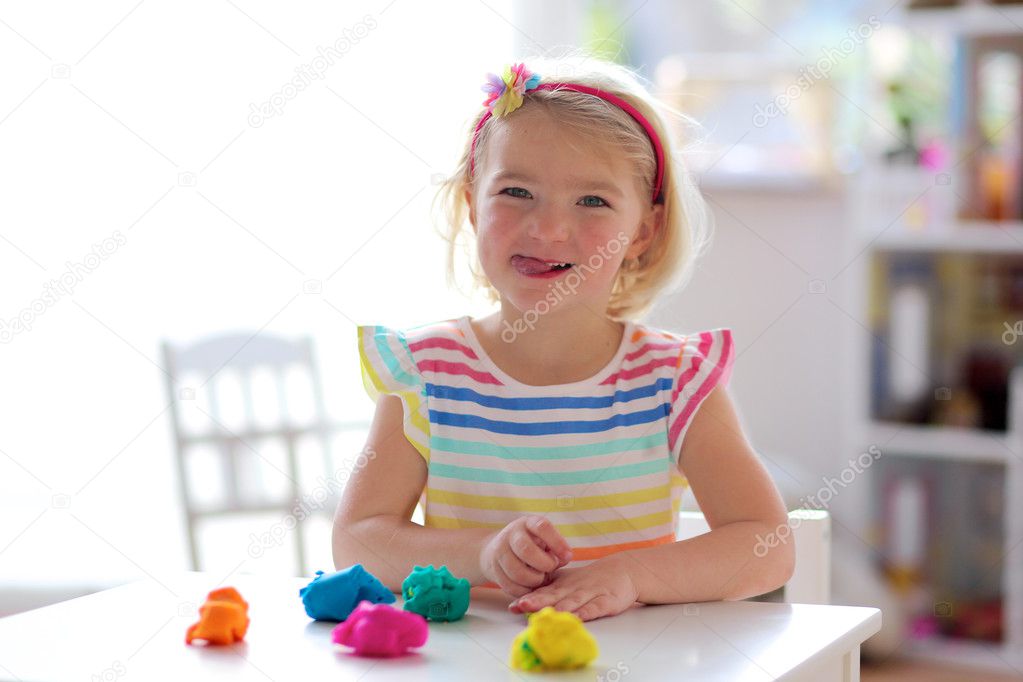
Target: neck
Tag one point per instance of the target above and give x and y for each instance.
(571, 344)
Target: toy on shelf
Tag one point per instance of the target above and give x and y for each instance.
(332, 597)
(553, 640)
(223, 618)
(435, 594)
(381, 630)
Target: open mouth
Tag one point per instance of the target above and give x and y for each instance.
(528, 265)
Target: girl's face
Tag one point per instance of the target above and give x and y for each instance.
(545, 193)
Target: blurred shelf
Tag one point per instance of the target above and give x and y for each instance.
(909, 233)
(944, 442)
(970, 19)
(974, 236)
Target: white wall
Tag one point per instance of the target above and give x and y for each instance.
(792, 345)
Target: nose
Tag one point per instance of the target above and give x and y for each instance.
(549, 223)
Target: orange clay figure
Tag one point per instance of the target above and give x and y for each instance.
(223, 619)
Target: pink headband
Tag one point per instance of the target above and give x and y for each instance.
(506, 96)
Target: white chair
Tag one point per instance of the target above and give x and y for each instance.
(811, 533)
(244, 354)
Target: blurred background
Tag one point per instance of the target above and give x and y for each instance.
(200, 202)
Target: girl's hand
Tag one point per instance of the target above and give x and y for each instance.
(603, 588)
(520, 556)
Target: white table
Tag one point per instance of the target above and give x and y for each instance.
(137, 632)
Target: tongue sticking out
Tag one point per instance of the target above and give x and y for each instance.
(530, 266)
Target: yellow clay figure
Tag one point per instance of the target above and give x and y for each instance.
(553, 640)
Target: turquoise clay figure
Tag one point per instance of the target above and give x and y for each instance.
(335, 596)
(435, 594)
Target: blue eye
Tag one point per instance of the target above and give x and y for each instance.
(513, 192)
(592, 205)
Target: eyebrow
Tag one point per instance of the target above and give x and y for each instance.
(575, 182)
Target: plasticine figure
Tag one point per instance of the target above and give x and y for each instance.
(333, 597)
(381, 630)
(553, 640)
(435, 594)
(223, 618)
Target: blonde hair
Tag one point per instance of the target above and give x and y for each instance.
(669, 260)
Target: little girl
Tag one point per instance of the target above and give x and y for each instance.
(550, 442)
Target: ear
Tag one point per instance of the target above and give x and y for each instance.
(472, 210)
(652, 223)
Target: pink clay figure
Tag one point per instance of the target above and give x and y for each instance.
(381, 630)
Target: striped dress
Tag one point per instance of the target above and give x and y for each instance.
(597, 457)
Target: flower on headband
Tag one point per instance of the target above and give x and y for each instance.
(505, 94)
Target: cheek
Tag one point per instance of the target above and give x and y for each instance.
(503, 214)
(604, 251)
(498, 228)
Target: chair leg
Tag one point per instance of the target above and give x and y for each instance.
(296, 492)
(193, 544)
(300, 548)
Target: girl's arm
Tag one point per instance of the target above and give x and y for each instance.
(372, 525)
(743, 509)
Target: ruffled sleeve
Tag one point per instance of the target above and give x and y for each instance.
(388, 367)
(705, 362)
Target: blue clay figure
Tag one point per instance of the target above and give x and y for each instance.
(435, 594)
(335, 596)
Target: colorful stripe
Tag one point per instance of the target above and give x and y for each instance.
(704, 380)
(569, 530)
(548, 504)
(382, 372)
(563, 452)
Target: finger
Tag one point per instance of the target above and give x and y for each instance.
(537, 599)
(515, 608)
(525, 547)
(545, 530)
(519, 572)
(507, 584)
(573, 601)
(559, 559)
(598, 607)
